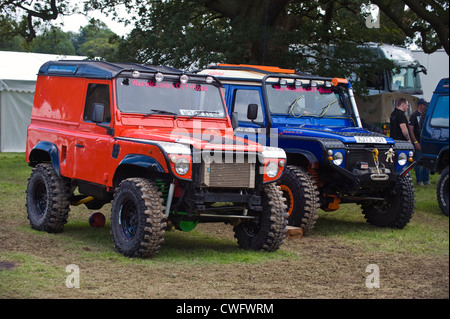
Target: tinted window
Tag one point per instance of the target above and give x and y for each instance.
(143, 96)
(97, 93)
(242, 99)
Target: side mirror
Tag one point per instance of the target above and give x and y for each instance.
(252, 111)
(424, 70)
(234, 120)
(98, 112)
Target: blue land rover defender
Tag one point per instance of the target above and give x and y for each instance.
(331, 159)
(434, 141)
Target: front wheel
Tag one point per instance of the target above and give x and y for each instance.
(442, 191)
(137, 218)
(268, 230)
(302, 197)
(397, 209)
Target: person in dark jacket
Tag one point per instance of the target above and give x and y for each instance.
(422, 174)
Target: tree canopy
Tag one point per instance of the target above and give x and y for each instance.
(315, 36)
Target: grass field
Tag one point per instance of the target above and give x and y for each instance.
(206, 263)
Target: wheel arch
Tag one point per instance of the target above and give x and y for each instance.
(45, 152)
(442, 161)
(137, 165)
(301, 158)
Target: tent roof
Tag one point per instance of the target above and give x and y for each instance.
(24, 65)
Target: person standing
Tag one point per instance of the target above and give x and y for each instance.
(399, 122)
(422, 174)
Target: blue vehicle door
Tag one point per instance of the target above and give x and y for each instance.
(238, 98)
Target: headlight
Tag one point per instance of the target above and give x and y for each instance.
(182, 166)
(401, 159)
(338, 158)
(272, 169)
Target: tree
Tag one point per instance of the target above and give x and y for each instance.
(32, 13)
(96, 40)
(53, 41)
(9, 39)
(315, 36)
(429, 19)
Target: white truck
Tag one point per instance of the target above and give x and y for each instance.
(402, 82)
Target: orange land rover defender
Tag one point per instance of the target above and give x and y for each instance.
(157, 142)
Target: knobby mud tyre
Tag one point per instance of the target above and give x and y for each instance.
(267, 233)
(302, 198)
(47, 199)
(137, 218)
(442, 192)
(397, 210)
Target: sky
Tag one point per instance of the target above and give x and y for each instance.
(74, 22)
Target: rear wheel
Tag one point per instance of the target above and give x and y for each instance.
(47, 199)
(268, 231)
(302, 197)
(396, 211)
(137, 218)
(442, 191)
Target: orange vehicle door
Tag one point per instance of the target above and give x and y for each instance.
(93, 141)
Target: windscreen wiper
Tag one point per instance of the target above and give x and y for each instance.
(326, 108)
(162, 112)
(291, 107)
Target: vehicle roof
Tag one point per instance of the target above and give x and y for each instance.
(442, 86)
(253, 72)
(98, 69)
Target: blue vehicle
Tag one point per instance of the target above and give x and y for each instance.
(434, 141)
(331, 159)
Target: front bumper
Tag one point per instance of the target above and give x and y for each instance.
(363, 178)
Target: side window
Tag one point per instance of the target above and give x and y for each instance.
(375, 82)
(242, 98)
(440, 114)
(97, 93)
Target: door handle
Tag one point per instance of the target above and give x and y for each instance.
(79, 145)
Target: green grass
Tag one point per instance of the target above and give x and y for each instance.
(94, 243)
(426, 234)
(428, 230)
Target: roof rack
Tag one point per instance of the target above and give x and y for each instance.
(255, 68)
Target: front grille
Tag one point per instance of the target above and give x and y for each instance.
(235, 175)
(358, 155)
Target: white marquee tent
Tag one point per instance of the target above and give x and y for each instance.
(18, 74)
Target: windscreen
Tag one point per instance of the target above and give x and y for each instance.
(318, 101)
(166, 97)
(405, 80)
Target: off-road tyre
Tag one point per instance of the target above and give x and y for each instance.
(442, 191)
(267, 233)
(302, 197)
(47, 199)
(397, 210)
(137, 218)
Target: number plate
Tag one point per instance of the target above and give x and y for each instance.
(370, 139)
